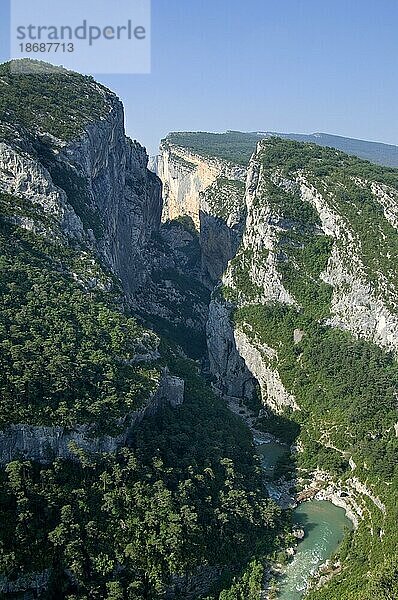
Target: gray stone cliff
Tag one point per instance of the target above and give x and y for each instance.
(44, 444)
(96, 189)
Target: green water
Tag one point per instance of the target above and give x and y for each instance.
(269, 454)
(324, 525)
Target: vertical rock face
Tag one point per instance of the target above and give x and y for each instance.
(304, 246)
(210, 191)
(95, 186)
(257, 257)
(232, 375)
(44, 444)
(184, 176)
(362, 282)
(258, 359)
(219, 241)
(81, 207)
(125, 194)
(240, 364)
(222, 219)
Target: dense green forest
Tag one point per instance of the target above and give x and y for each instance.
(67, 350)
(238, 147)
(187, 493)
(376, 152)
(233, 146)
(290, 156)
(60, 105)
(185, 497)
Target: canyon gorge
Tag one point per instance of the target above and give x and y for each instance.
(163, 329)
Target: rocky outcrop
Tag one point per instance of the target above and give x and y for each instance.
(210, 191)
(125, 194)
(185, 175)
(259, 359)
(26, 587)
(44, 444)
(357, 304)
(350, 494)
(240, 365)
(387, 197)
(364, 298)
(233, 378)
(95, 189)
(259, 248)
(23, 176)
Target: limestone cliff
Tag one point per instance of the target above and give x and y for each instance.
(124, 193)
(45, 444)
(282, 272)
(93, 184)
(79, 209)
(185, 174)
(307, 308)
(209, 190)
(232, 374)
(364, 293)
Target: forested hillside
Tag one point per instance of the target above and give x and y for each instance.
(123, 475)
(328, 244)
(238, 146)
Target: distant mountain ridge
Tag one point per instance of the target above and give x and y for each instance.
(238, 146)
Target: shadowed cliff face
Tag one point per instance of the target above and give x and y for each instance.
(107, 469)
(285, 269)
(210, 191)
(45, 444)
(320, 234)
(125, 195)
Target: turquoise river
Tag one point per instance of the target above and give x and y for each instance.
(324, 524)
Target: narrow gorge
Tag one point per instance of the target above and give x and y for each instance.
(190, 353)
(304, 302)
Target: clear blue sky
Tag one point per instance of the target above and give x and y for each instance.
(281, 65)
